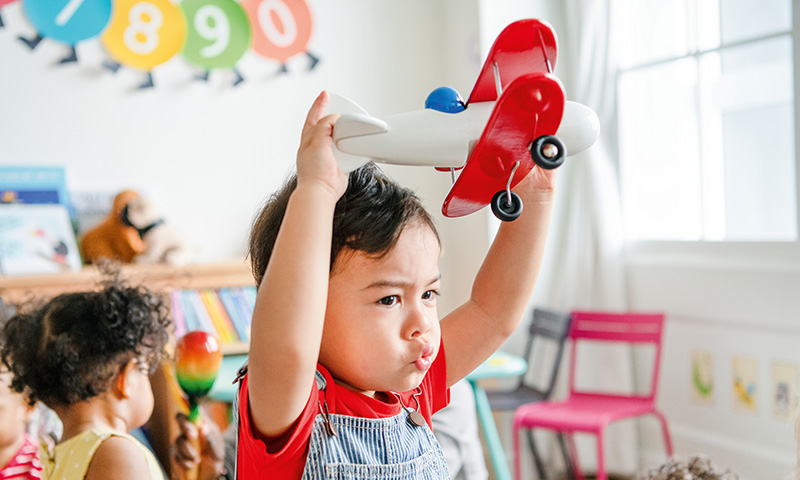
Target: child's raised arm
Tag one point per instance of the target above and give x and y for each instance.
(504, 283)
(290, 306)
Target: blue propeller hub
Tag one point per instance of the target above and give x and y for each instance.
(445, 99)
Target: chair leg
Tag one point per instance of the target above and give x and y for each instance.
(665, 431)
(601, 467)
(567, 457)
(573, 457)
(517, 469)
(536, 458)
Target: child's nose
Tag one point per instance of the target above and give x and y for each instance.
(418, 322)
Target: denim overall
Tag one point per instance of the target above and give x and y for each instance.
(354, 448)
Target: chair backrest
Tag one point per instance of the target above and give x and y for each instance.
(630, 328)
(554, 326)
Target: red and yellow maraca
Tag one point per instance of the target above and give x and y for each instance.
(197, 359)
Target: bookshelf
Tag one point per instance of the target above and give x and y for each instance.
(161, 278)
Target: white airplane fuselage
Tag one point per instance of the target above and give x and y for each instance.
(434, 138)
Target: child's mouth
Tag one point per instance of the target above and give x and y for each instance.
(425, 359)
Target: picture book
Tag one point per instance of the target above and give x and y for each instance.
(33, 185)
(36, 238)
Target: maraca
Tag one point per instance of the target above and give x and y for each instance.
(197, 359)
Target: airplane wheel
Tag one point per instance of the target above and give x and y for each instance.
(548, 152)
(507, 212)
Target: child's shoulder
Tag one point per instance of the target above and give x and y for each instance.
(123, 453)
(92, 454)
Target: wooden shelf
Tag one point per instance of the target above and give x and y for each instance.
(161, 278)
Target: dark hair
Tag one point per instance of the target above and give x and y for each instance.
(369, 217)
(696, 468)
(69, 349)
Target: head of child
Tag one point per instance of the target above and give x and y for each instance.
(15, 412)
(696, 468)
(90, 351)
(381, 329)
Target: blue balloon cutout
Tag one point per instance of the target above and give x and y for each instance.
(68, 21)
(445, 99)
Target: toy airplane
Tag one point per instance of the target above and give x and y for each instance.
(515, 118)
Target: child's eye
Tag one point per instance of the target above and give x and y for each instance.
(430, 294)
(389, 300)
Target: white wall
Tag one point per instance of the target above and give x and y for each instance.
(211, 153)
(726, 307)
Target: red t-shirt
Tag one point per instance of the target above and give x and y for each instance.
(288, 463)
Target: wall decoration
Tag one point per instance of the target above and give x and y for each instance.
(217, 37)
(3, 2)
(281, 29)
(702, 378)
(784, 391)
(36, 239)
(144, 34)
(66, 21)
(745, 385)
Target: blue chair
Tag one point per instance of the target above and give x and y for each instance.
(547, 326)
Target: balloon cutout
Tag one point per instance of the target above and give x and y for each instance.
(281, 29)
(144, 34)
(197, 359)
(66, 21)
(218, 35)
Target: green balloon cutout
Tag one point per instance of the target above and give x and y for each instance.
(218, 33)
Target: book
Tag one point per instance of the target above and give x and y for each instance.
(201, 312)
(240, 295)
(188, 312)
(37, 238)
(239, 323)
(218, 317)
(177, 313)
(33, 185)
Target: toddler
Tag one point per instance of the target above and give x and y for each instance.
(87, 356)
(348, 358)
(19, 452)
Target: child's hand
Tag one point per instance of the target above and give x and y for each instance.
(185, 456)
(538, 186)
(315, 160)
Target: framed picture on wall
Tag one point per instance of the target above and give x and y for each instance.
(784, 391)
(36, 238)
(702, 378)
(745, 385)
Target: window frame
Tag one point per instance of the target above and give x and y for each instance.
(718, 252)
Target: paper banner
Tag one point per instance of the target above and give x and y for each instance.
(281, 28)
(145, 33)
(218, 33)
(68, 21)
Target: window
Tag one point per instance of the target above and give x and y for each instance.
(707, 120)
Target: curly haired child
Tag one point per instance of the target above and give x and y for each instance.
(87, 356)
(347, 354)
(696, 468)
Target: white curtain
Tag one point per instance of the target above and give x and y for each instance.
(584, 266)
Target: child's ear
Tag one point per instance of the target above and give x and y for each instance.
(125, 378)
(29, 409)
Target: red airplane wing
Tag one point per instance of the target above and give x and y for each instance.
(523, 47)
(530, 107)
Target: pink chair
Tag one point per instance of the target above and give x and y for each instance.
(591, 412)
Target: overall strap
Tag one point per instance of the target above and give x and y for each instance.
(319, 379)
